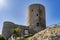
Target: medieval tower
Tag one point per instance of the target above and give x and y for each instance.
(35, 22)
(36, 17)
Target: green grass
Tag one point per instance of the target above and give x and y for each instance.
(29, 38)
(18, 38)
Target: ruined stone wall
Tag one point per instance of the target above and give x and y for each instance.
(7, 29)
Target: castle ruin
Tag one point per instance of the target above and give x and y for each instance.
(36, 22)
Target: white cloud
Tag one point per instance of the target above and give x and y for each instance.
(0, 33)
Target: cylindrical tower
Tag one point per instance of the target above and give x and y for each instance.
(7, 29)
(36, 17)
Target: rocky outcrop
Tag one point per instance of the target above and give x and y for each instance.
(48, 34)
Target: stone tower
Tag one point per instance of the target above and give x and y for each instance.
(36, 17)
(7, 27)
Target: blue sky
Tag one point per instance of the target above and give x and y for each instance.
(15, 11)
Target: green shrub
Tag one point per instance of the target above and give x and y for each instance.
(1, 37)
(18, 38)
(56, 26)
(29, 38)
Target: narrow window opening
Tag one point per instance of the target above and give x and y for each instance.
(37, 14)
(26, 31)
(37, 24)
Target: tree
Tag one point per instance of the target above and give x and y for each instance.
(1, 37)
(16, 30)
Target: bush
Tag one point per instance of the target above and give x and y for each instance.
(1, 37)
(18, 38)
(56, 26)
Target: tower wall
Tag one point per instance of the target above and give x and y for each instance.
(36, 17)
(7, 29)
